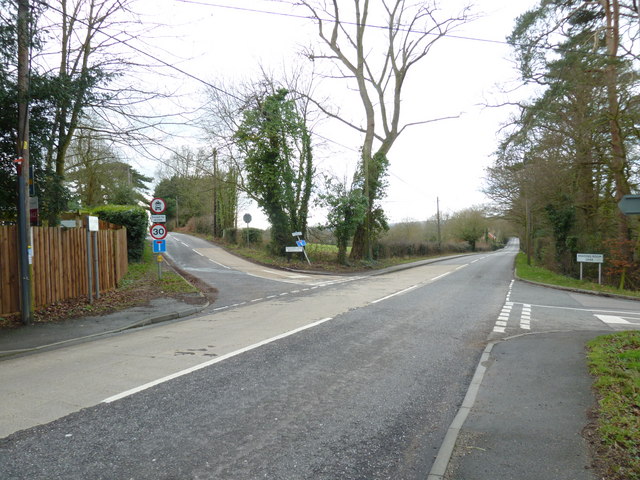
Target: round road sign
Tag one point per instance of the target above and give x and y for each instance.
(158, 231)
(247, 218)
(158, 205)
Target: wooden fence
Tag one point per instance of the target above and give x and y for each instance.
(60, 263)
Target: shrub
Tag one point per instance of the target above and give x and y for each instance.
(134, 219)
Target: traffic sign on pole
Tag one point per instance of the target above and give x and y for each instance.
(158, 231)
(158, 205)
(630, 205)
(159, 246)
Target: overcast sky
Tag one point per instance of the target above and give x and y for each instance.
(229, 39)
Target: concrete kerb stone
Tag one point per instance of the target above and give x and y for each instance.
(441, 463)
(577, 290)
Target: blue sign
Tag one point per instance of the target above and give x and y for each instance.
(159, 246)
(301, 243)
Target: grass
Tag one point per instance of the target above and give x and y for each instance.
(147, 271)
(614, 360)
(542, 275)
(323, 259)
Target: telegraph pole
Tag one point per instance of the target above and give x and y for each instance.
(438, 219)
(24, 237)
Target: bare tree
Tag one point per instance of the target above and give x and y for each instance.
(377, 58)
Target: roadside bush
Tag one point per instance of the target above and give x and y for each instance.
(202, 225)
(239, 236)
(134, 219)
(400, 249)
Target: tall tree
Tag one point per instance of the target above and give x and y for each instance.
(376, 61)
(569, 157)
(278, 161)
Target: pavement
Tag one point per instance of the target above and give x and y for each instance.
(522, 417)
(38, 337)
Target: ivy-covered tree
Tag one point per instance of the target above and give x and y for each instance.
(276, 145)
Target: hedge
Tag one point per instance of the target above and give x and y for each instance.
(134, 218)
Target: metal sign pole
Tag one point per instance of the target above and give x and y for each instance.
(96, 268)
(89, 264)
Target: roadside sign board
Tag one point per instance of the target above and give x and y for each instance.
(92, 223)
(158, 231)
(247, 218)
(294, 249)
(159, 246)
(296, 234)
(158, 205)
(630, 205)
(158, 219)
(301, 243)
(590, 257)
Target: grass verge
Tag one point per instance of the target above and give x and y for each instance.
(614, 360)
(323, 259)
(542, 275)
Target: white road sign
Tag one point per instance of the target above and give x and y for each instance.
(590, 257)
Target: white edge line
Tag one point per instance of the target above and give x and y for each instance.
(218, 263)
(212, 361)
(394, 294)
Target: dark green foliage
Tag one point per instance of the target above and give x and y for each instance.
(347, 208)
(134, 218)
(275, 142)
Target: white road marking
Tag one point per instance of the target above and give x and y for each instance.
(284, 274)
(218, 263)
(612, 319)
(394, 294)
(212, 362)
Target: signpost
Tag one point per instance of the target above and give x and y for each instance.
(300, 244)
(93, 270)
(158, 231)
(630, 205)
(247, 220)
(591, 258)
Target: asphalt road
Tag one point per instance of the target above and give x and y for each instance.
(287, 378)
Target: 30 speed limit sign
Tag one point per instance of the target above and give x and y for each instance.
(158, 231)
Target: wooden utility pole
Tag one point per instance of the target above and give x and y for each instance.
(24, 236)
(438, 218)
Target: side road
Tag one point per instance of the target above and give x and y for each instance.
(46, 336)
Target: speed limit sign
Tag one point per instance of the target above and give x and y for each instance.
(158, 231)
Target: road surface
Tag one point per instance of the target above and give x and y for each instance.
(291, 377)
